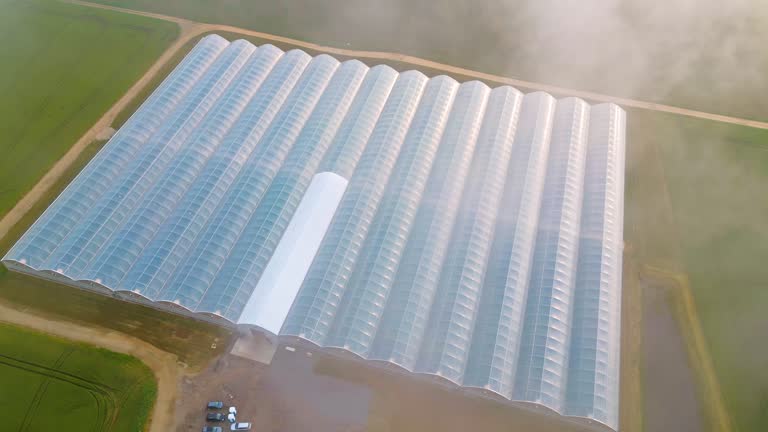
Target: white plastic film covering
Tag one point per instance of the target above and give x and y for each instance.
(273, 296)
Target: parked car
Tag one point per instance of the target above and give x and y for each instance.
(212, 429)
(215, 405)
(215, 417)
(231, 418)
(240, 426)
(233, 410)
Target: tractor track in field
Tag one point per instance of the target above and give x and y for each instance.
(41, 389)
(106, 404)
(54, 372)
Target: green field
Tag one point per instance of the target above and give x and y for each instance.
(63, 67)
(51, 384)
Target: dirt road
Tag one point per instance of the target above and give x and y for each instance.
(162, 363)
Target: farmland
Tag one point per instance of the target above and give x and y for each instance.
(63, 66)
(54, 384)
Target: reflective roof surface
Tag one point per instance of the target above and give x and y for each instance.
(468, 233)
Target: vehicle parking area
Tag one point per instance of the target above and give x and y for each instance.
(286, 395)
(230, 379)
(304, 390)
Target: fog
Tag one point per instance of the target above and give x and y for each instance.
(693, 53)
(653, 49)
(703, 54)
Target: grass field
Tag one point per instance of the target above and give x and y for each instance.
(51, 384)
(63, 66)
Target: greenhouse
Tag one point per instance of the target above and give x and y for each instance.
(469, 234)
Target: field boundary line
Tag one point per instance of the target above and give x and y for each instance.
(164, 365)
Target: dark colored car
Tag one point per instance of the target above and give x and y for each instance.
(212, 429)
(215, 405)
(215, 417)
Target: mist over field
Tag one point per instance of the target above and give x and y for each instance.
(702, 54)
(653, 49)
(684, 52)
